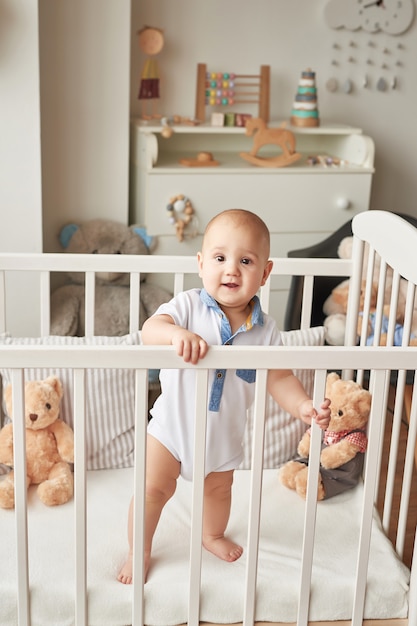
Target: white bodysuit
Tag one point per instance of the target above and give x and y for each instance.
(231, 392)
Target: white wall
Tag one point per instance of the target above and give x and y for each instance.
(20, 151)
(85, 70)
(291, 36)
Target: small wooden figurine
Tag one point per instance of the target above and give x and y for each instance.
(262, 136)
(151, 42)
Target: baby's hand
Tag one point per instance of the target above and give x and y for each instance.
(308, 413)
(189, 345)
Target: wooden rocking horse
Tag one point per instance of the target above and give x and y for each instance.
(262, 136)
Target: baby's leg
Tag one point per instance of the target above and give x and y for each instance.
(217, 502)
(125, 574)
(162, 471)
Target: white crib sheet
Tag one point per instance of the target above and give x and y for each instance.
(51, 553)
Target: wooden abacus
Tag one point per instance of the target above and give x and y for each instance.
(247, 89)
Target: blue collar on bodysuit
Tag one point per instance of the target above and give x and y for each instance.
(255, 317)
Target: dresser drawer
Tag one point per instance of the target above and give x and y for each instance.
(287, 202)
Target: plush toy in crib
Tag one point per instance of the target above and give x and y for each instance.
(344, 442)
(335, 306)
(49, 444)
(398, 329)
(112, 289)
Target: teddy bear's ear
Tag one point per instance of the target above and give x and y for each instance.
(330, 381)
(148, 239)
(66, 234)
(56, 384)
(365, 401)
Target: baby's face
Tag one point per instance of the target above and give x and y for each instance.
(234, 262)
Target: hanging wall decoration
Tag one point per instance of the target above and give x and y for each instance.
(182, 216)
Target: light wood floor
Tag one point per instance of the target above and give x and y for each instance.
(412, 517)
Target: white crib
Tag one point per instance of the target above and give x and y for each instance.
(304, 563)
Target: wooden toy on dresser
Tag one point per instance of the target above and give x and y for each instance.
(227, 89)
(263, 136)
(305, 111)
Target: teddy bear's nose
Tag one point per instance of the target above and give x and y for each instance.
(33, 417)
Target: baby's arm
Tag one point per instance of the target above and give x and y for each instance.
(162, 330)
(287, 390)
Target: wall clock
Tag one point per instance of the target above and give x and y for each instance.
(389, 16)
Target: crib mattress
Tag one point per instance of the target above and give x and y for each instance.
(51, 554)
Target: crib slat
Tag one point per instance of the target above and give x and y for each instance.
(2, 301)
(134, 306)
(178, 283)
(80, 499)
(198, 493)
(393, 451)
(380, 303)
(311, 506)
(408, 474)
(255, 497)
(19, 452)
(307, 301)
(385, 397)
(141, 420)
(45, 290)
(393, 307)
(412, 606)
(89, 303)
(379, 381)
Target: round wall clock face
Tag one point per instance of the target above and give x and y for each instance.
(390, 16)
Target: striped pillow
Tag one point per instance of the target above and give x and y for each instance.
(109, 400)
(282, 431)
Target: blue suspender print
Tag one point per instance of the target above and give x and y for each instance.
(255, 317)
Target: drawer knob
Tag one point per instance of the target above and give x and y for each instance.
(343, 203)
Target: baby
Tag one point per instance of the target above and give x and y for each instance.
(233, 264)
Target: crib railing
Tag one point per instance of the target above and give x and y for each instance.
(45, 266)
(140, 358)
(381, 362)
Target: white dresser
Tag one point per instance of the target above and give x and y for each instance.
(301, 204)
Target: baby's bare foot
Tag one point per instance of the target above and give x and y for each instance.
(125, 574)
(223, 548)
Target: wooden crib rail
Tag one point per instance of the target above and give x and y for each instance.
(140, 358)
(383, 290)
(42, 267)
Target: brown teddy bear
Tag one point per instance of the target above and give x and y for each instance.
(49, 444)
(344, 442)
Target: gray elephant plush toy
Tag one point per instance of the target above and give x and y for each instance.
(101, 236)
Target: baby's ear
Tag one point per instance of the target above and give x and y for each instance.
(200, 262)
(268, 269)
